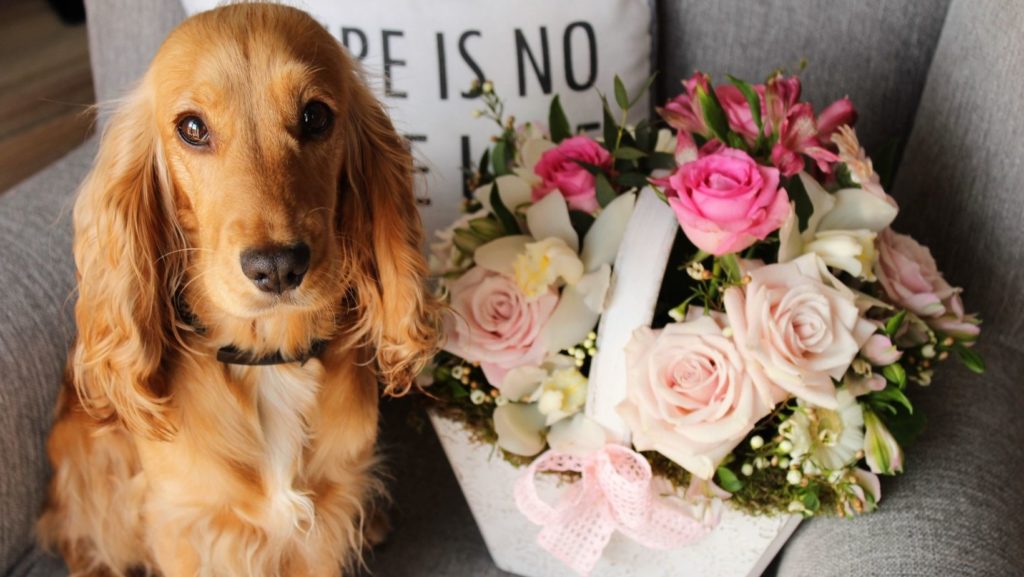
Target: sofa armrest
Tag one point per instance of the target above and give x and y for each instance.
(37, 275)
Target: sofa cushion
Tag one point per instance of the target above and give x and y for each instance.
(36, 326)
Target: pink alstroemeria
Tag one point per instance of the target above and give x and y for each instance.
(780, 94)
(683, 112)
(839, 113)
(881, 451)
(798, 135)
(737, 110)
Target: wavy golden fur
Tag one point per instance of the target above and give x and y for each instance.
(165, 459)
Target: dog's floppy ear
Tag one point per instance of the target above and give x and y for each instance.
(124, 251)
(398, 315)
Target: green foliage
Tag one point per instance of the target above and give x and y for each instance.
(970, 358)
(714, 115)
(728, 480)
(505, 216)
(558, 122)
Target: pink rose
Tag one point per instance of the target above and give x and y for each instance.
(725, 201)
(494, 323)
(559, 169)
(683, 112)
(798, 327)
(689, 396)
(911, 279)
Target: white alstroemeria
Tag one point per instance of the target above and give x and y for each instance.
(520, 428)
(578, 435)
(583, 297)
(562, 394)
(544, 263)
(829, 438)
(841, 228)
(514, 191)
(532, 145)
(666, 142)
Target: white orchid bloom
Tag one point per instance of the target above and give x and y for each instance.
(513, 190)
(841, 229)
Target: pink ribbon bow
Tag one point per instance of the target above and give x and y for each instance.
(614, 493)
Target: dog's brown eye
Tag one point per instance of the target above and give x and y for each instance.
(316, 118)
(193, 131)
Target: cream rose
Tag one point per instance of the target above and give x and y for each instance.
(799, 328)
(689, 396)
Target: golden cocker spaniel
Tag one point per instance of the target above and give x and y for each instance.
(249, 269)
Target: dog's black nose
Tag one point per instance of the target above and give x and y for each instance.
(276, 269)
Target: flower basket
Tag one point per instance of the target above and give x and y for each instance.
(669, 345)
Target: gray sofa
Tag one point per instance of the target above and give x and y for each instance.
(942, 76)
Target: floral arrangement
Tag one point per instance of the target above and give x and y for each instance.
(792, 330)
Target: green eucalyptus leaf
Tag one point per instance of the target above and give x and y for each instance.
(591, 168)
(466, 240)
(486, 227)
(499, 158)
(662, 160)
(797, 193)
(505, 217)
(632, 180)
(892, 326)
(610, 128)
(644, 89)
(605, 191)
(731, 266)
(629, 153)
(895, 373)
(753, 100)
(728, 480)
(621, 96)
(713, 114)
(970, 358)
(558, 122)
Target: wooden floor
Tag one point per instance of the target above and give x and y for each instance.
(45, 89)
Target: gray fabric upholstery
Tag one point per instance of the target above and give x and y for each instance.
(959, 511)
(124, 35)
(875, 51)
(35, 328)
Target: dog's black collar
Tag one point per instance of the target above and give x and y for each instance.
(231, 355)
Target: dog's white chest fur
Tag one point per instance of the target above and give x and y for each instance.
(285, 400)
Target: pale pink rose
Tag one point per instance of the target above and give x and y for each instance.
(559, 169)
(737, 110)
(911, 279)
(494, 323)
(798, 136)
(839, 113)
(725, 201)
(683, 112)
(689, 396)
(798, 327)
